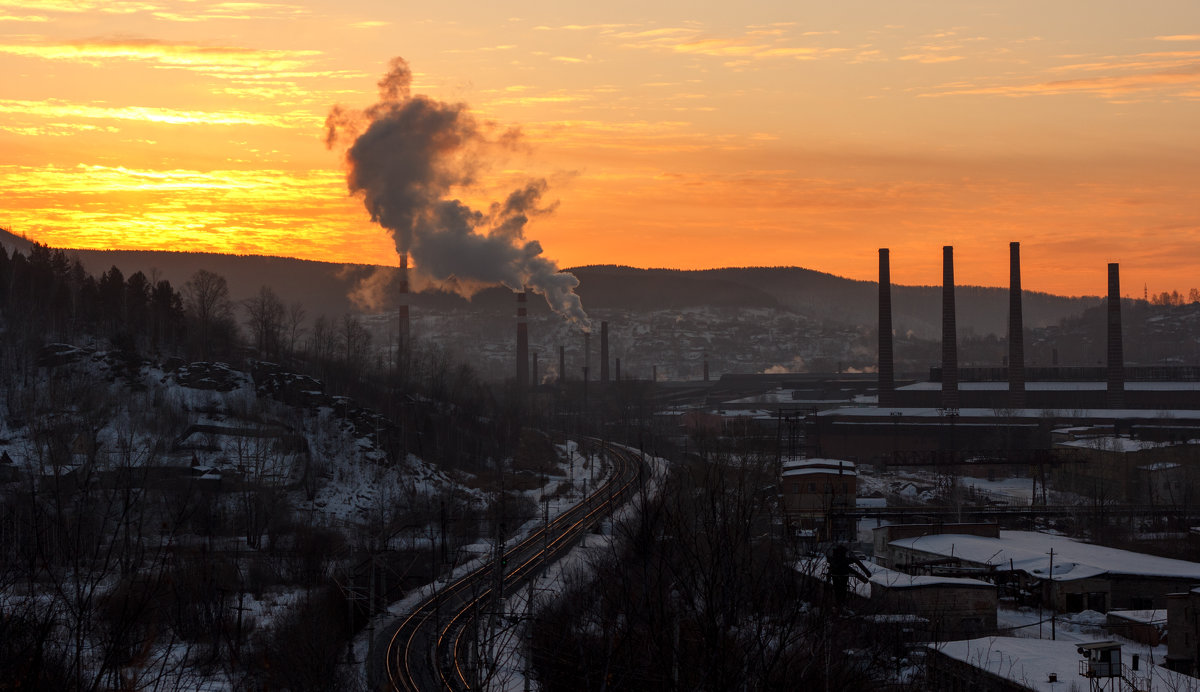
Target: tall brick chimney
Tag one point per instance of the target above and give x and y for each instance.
(604, 351)
(402, 322)
(949, 333)
(886, 367)
(1016, 330)
(522, 342)
(1116, 352)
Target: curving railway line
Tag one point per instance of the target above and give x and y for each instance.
(429, 647)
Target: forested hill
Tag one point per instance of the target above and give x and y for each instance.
(322, 286)
(819, 295)
(326, 288)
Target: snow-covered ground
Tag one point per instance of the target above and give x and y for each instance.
(208, 421)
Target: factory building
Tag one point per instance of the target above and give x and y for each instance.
(813, 490)
(960, 414)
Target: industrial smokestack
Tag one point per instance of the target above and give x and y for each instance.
(402, 328)
(587, 364)
(562, 364)
(1116, 353)
(1016, 330)
(886, 368)
(522, 343)
(604, 351)
(949, 333)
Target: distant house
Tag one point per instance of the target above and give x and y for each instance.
(929, 608)
(1147, 627)
(1153, 472)
(1183, 626)
(951, 606)
(813, 490)
(1084, 577)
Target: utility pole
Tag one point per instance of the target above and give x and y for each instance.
(1053, 606)
(545, 530)
(371, 606)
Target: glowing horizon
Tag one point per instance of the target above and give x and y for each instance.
(670, 136)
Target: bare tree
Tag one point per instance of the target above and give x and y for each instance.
(206, 298)
(356, 342)
(265, 318)
(323, 341)
(296, 315)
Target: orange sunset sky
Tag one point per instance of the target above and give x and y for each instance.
(672, 134)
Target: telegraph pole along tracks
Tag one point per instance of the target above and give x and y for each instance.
(431, 647)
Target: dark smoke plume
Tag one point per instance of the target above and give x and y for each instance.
(408, 155)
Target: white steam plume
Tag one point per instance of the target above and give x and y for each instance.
(407, 156)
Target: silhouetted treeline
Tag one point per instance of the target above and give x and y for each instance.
(45, 295)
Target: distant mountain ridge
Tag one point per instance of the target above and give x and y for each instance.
(326, 287)
(821, 296)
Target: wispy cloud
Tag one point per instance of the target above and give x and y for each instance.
(1102, 86)
(580, 27)
(225, 210)
(63, 110)
(192, 56)
(83, 6)
(1163, 73)
(170, 10)
(931, 57)
(518, 100)
(940, 47)
(778, 41)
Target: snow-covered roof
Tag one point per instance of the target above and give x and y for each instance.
(774, 396)
(1070, 386)
(896, 619)
(1040, 413)
(1149, 617)
(817, 461)
(808, 467)
(1159, 466)
(1029, 551)
(1116, 443)
(899, 580)
(1029, 662)
(818, 566)
(743, 413)
(824, 470)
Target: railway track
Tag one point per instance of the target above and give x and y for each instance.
(430, 648)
